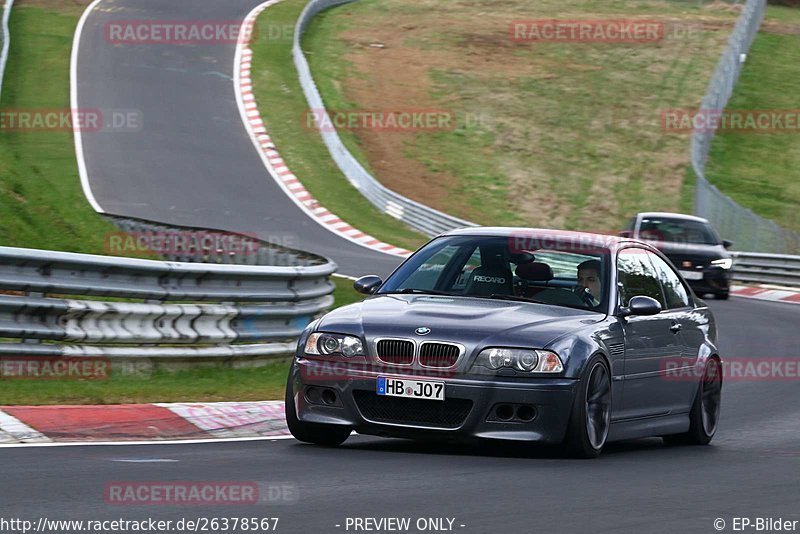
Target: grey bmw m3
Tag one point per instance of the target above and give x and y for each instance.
(514, 334)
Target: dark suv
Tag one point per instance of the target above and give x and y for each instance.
(693, 246)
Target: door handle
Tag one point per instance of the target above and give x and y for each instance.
(675, 328)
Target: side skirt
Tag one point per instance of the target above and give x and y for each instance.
(649, 426)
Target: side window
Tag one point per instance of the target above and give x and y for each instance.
(637, 276)
(674, 291)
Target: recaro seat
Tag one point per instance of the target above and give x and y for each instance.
(534, 272)
(493, 277)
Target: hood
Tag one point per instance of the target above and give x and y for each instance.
(470, 321)
(697, 254)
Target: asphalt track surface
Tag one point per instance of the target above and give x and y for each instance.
(751, 468)
(191, 163)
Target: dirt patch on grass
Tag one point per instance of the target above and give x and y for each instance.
(381, 88)
(781, 28)
(396, 75)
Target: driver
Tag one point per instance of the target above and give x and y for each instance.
(589, 286)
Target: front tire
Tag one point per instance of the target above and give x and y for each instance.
(316, 433)
(704, 416)
(591, 411)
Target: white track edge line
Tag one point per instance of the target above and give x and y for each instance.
(143, 442)
(73, 80)
(766, 299)
(6, 41)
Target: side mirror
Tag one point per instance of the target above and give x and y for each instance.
(368, 285)
(727, 243)
(641, 305)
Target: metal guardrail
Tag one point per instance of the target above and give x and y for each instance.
(748, 230)
(5, 40)
(418, 216)
(190, 310)
(778, 269)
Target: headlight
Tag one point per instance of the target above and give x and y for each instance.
(525, 360)
(330, 344)
(725, 263)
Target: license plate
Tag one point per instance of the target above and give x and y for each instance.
(415, 389)
(692, 275)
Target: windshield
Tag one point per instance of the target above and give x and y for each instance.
(491, 267)
(678, 231)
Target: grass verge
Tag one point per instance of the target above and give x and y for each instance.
(41, 201)
(284, 110)
(344, 293)
(761, 170)
(196, 385)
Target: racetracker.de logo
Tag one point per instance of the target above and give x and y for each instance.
(565, 241)
(64, 120)
(180, 242)
(388, 120)
(334, 371)
(85, 120)
(731, 120)
(737, 370)
(199, 493)
(587, 31)
(54, 368)
(180, 32)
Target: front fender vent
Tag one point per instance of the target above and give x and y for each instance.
(616, 349)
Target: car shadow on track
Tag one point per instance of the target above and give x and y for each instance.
(504, 449)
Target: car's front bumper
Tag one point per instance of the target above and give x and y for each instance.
(715, 280)
(359, 407)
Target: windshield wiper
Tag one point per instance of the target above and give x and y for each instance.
(524, 299)
(410, 290)
(498, 296)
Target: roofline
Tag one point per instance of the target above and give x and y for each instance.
(673, 215)
(600, 241)
(510, 231)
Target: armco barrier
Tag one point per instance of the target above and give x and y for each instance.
(748, 230)
(186, 310)
(776, 269)
(420, 217)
